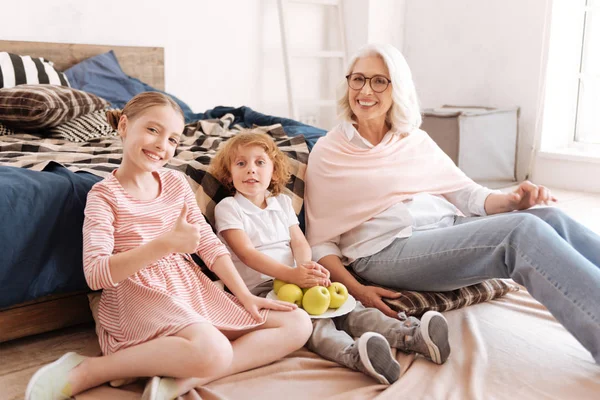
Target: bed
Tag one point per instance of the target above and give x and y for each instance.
(504, 348)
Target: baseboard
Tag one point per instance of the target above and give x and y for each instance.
(44, 315)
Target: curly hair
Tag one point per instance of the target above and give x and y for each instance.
(220, 166)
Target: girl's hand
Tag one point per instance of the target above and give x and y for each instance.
(184, 237)
(253, 304)
(308, 275)
(528, 195)
(371, 296)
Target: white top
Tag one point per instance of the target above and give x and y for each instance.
(268, 230)
(423, 211)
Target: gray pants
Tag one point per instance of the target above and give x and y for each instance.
(332, 338)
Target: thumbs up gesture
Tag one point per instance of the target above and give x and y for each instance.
(184, 237)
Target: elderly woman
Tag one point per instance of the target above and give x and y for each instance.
(384, 200)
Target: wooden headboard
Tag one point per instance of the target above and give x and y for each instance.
(144, 63)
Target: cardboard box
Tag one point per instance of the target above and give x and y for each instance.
(482, 141)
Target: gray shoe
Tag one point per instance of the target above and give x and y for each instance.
(431, 338)
(376, 358)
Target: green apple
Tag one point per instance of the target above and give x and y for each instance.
(316, 300)
(338, 293)
(305, 289)
(290, 293)
(277, 284)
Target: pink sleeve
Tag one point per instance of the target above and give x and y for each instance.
(210, 247)
(98, 239)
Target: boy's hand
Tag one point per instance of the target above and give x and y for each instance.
(312, 264)
(184, 237)
(309, 274)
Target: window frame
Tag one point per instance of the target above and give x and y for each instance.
(585, 77)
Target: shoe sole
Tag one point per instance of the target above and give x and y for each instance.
(382, 356)
(434, 329)
(151, 389)
(41, 371)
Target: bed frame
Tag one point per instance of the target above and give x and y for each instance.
(62, 310)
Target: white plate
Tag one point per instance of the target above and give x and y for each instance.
(348, 306)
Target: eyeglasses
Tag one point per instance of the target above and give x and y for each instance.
(378, 82)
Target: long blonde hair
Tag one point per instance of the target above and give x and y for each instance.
(138, 104)
(220, 166)
(405, 113)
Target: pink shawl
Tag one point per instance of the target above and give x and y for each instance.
(347, 185)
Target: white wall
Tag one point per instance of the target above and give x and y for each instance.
(225, 52)
(387, 22)
(210, 46)
(473, 52)
(228, 52)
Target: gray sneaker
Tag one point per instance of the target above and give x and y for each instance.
(431, 338)
(376, 358)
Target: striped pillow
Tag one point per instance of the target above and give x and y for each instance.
(4, 130)
(32, 107)
(84, 128)
(417, 303)
(412, 302)
(25, 70)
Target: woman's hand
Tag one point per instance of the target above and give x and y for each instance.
(309, 274)
(184, 237)
(253, 304)
(371, 296)
(525, 196)
(528, 195)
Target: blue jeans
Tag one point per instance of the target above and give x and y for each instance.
(553, 256)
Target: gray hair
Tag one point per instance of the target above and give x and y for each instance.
(404, 114)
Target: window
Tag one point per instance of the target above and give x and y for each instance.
(587, 121)
(567, 147)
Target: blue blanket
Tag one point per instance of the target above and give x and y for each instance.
(247, 117)
(40, 232)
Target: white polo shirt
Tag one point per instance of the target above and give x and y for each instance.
(268, 230)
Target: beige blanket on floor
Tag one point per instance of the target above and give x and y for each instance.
(511, 348)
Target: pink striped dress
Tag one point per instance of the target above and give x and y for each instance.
(166, 296)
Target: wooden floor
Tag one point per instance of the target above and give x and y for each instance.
(19, 359)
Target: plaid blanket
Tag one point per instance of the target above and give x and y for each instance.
(200, 141)
(47, 209)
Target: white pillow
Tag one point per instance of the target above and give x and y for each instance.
(25, 70)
